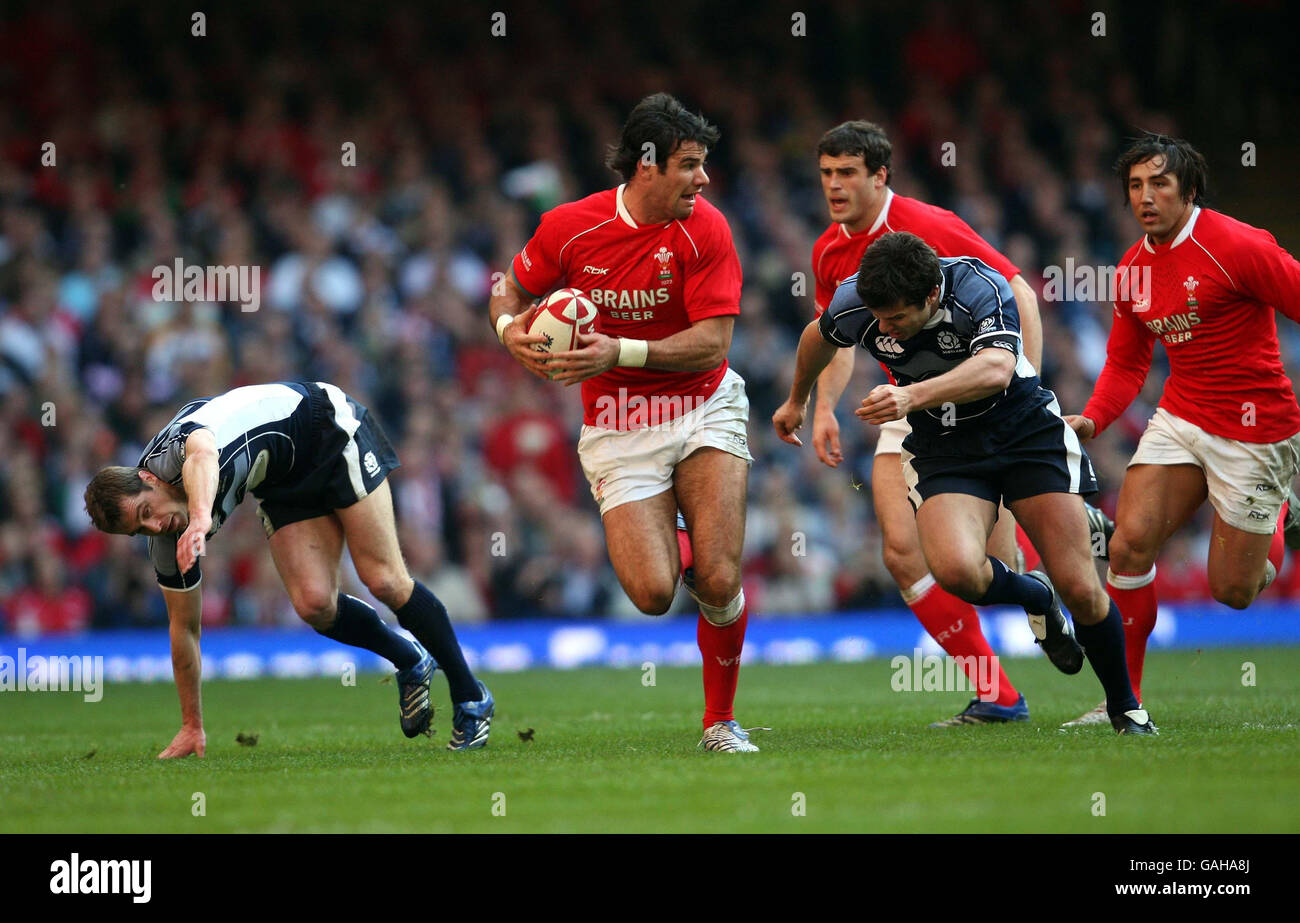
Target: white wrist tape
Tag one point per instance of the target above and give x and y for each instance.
(504, 321)
(632, 352)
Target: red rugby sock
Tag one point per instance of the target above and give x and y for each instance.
(1032, 557)
(721, 649)
(955, 624)
(1135, 595)
(684, 549)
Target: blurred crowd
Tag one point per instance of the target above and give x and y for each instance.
(231, 149)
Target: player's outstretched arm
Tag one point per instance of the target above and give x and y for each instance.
(814, 355)
(184, 615)
(979, 376)
(830, 385)
(511, 310)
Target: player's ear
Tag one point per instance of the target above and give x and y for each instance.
(149, 478)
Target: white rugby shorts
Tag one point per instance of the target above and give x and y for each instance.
(892, 434)
(623, 466)
(1247, 481)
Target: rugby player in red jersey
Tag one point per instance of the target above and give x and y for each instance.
(854, 160)
(665, 418)
(1227, 426)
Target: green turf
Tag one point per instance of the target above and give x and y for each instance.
(611, 754)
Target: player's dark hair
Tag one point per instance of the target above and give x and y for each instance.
(659, 120)
(899, 268)
(105, 493)
(859, 138)
(1182, 160)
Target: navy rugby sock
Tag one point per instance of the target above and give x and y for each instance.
(360, 626)
(1104, 645)
(1008, 587)
(426, 617)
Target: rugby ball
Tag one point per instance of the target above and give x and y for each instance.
(563, 315)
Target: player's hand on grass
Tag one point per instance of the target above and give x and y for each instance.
(788, 418)
(826, 437)
(189, 740)
(596, 353)
(192, 543)
(884, 404)
(1083, 426)
(520, 342)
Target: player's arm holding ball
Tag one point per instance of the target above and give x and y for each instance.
(511, 310)
(699, 347)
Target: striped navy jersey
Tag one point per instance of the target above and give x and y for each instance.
(976, 310)
(260, 431)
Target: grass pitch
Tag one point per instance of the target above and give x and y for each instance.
(612, 755)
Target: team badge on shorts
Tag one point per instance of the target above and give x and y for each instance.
(371, 463)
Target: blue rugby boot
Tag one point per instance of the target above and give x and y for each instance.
(471, 721)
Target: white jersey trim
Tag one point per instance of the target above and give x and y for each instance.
(346, 420)
(884, 211)
(621, 210)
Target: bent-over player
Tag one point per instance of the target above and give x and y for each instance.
(317, 462)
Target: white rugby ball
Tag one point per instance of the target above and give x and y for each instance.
(564, 314)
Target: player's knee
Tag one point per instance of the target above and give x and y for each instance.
(1234, 595)
(1131, 555)
(718, 586)
(960, 579)
(316, 606)
(652, 598)
(390, 585)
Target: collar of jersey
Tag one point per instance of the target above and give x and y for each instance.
(1185, 233)
(880, 219)
(621, 210)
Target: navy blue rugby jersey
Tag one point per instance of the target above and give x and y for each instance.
(976, 311)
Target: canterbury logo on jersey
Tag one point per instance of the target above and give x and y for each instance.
(889, 345)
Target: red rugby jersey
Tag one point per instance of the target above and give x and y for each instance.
(837, 254)
(648, 282)
(1210, 296)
